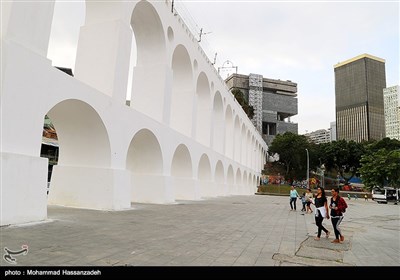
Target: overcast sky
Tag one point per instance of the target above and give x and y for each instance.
(288, 40)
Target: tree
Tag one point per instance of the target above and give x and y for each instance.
(292, 155)
(381, 168)
(344, 157)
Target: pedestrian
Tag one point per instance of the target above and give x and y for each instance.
(293, 197)
(321, 212)
(303, 201)
(309, 200)
(338, 206)
(366, 197)
(349, 196)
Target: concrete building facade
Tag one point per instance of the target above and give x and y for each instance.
(183, 136)
(274, 102)
(391, 97)
(333, 131)
(319, 136)
(359, 84)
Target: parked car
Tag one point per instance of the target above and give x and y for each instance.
(385, 195)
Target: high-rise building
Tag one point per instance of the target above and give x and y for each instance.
(359, 84)
(391, 97)
(274, 102)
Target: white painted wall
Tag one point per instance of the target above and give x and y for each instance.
(177, 140)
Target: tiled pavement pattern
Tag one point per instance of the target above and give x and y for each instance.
(258, 230)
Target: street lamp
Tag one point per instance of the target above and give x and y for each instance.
(308, 174)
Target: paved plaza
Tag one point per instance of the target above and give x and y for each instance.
(257, 230)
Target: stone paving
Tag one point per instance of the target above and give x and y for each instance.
(258, 230)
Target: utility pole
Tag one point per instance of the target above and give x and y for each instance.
(308, 173)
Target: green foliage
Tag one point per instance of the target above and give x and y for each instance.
(238, 94)
(381, 167)
(378, 162)
(343, 156)
(292, 154)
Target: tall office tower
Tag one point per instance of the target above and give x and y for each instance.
(274, 102)
(359, 84)
(391, 97)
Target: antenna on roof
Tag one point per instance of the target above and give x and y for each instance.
(215, 59)
(202, 33)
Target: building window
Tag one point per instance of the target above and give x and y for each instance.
(269, 128)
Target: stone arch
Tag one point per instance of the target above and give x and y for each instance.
(144, 154)
(248, 148)
(243, 144)
(145, 162)
(230, 180)
(182, 92)
(218, 124)
(237, 139)
(149, 35)
(77, 124)
(151, 61)
(245, 181)
(204, 171)
(182, 174)
(252, 152)
(238, 177)
(219, 173)
(84, 154)
(204, 176)
(228, 132)
(203, 112)
(182, 162)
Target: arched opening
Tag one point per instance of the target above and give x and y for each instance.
(229, 132)
(149, 74)
(145, 162)
(218, 124)
(84, 155)
(237, 143)
(245, 183)
(238, 178)
(182, 92)
(248, 149)
(230, 180)
(203, 112)
(181, 170)
(204, 176)
(243, 144)
(219, 178)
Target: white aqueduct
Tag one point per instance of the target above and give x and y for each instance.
(183, 137)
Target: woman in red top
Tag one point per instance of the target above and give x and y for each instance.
(338, 205)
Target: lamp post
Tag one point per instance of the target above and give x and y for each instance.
(308, 173)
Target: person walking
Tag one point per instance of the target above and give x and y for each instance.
(309, 200)
(366, 197)
(321, 212)
(293, 197)
(338, 206)
(303, 202)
